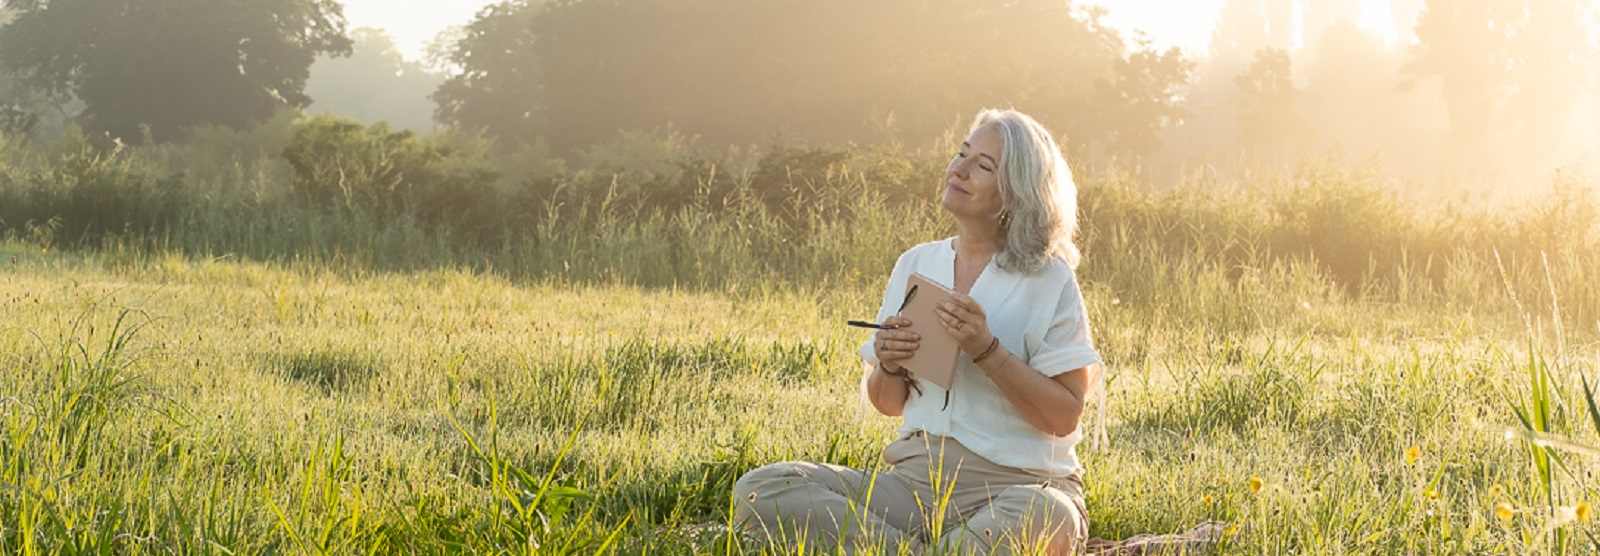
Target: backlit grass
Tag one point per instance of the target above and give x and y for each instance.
(175, 404)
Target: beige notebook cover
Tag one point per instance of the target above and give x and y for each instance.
(935, 358)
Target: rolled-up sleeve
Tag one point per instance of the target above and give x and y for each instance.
(1067, 344)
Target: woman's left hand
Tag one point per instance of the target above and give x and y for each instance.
(965, 320)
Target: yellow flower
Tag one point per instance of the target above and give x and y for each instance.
(1255, 484)
(1206, 499)
(1585, 513)
(1496, 491)
(1503, 511)
(1431, 494)
(1412, 455)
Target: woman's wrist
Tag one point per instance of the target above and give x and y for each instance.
(898, 372)
(995, 361)
(994, 343)
(901, 373)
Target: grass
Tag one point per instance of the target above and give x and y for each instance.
(222, 406)
(193, 361)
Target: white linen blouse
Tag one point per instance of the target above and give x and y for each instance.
(1040, 318)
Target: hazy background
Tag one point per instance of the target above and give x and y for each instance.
(1480, 95)
(1272, 81)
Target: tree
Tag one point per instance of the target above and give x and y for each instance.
(496, 86)
(1512, 73)
(733, 71)
(152, 67)
(1272, 124)
(1551, 69)
(1467, 45)
(1142, 99)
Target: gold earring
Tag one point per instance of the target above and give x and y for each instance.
(1005, 219)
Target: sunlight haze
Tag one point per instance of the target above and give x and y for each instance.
(1187, 25)
(411, 23)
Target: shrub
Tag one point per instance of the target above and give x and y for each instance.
(442, 180)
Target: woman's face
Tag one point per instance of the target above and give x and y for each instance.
(971, 186)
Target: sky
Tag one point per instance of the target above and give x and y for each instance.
(411, 23)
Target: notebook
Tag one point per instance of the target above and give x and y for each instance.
(935, 358)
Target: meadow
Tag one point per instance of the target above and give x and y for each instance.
(1326, 365)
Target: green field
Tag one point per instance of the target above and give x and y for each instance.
(199, 356)
(171, 403)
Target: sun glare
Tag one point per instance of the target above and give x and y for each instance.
(1375, 17)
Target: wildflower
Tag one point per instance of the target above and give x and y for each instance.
(1584, 512)
(1206, 499)
(1503, 511)
(1431, 494)
(1565, 515)
(1255, 484)
(1412, 455)
(1496, 491)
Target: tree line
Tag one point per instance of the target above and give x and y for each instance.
(1500, 82)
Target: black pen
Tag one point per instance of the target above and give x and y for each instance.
(864, 324)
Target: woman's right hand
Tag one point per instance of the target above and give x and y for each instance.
(898, 344)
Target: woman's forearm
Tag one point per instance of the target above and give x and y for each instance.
(1043, 402)
(888, 394)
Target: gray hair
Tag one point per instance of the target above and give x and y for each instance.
(1040, 202)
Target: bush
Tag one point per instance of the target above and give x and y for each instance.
(443, 180)
(81, 194)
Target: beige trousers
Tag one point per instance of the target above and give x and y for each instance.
(939, 498)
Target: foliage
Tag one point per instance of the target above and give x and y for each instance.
(1273, 115)
(149, 68)
(576, 72)
(81, 194)
(498, 77)
(340, 163)
(1142, 99)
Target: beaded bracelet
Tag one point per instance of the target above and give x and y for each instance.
(992, 344)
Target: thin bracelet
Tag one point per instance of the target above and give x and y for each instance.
(992, 344)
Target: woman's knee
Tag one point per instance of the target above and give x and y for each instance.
(1040, 517)
(749, 485)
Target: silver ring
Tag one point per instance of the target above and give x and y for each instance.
(882, 346)
(960, 323)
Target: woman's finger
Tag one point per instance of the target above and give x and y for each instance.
(959, 313)
(967, 303)
(953, 324)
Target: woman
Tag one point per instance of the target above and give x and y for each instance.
(988, 467)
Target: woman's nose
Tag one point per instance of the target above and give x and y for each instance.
(958, 168)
